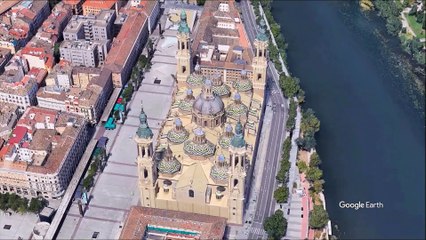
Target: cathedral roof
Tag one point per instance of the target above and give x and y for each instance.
(208, 103)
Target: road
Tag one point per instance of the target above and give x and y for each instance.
(265, 202)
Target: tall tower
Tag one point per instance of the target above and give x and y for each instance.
(183, 55)
(260, 63)
(147, 169)
(237, 163)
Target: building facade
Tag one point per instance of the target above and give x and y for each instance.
(84, 53)
(204, 156)
(43, 153)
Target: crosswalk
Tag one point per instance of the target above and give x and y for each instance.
(257, 231)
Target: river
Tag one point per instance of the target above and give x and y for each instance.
(372, 136)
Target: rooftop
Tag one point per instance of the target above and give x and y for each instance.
(141, 221)
(62, 137)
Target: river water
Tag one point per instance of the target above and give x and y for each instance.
(372, 136)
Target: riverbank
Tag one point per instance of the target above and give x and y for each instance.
(372, 139)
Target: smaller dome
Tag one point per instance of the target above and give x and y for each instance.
(195, 80)
(178, 122)
(197, 67)
(208, 82)
(188, 91)
(237, 96)
(169, 166)
(228, 128)
(199, 132)
(219, 171)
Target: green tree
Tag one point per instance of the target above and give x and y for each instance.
(275, 225)
(281, 175)
(302, 166)
(310, 123)
(314, 174)
(292, 112)
(289, 85)
(318, 186)
(4, 200)
(315, 160)
(87, 182)
(318, 217)
(301, 96)
(281, 194)
(308, 141)
(36, 204)
(420, 17)
(394, 25)
(201, 2)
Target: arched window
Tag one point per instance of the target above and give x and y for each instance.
(236, 161)
(143, 151)
(145, 173)
(191, 193)
(235, 182)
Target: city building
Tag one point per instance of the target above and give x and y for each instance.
(203, 159)
(18, 85)
(20, 22)
(96, 6)
(38, 57)
(76, 6)
(41, 156)
(221, 47)
(55, 23)
(5, 56)
(76, 90)
(84, 53)
(92, 27)
(8, 117)
(150, 223)
(127, 46)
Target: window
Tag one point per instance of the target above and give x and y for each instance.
(95, 234)
(235, 182)
(145, 173)
(191, 193)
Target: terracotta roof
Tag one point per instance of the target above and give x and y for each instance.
(209, 34)
(207, 227)
(123, 44)
(18, 134)
(99, 4)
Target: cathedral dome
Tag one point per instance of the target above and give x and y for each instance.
(219, 172)
(237, 109)
(199, 147)
(225, 139)
(208, 103)
(243, 84)
(169, 164)
(178, 134)
(185, 104)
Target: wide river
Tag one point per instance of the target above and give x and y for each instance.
(372, 137)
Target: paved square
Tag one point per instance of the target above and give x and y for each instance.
(116, 188)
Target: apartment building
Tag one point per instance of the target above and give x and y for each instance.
(84, 53)
(127, 46)
(93, 7)
(8, 117)
(41, 156)
(76, 6)
(92, 27)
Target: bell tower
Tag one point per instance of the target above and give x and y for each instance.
(147, 169)
(237, 163)
(260, 62)
(183, 55)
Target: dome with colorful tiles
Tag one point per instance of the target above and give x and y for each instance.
(243, 84)
(178, 134)
(199, 146)
(186, 103)
(225, 138)
(219, 171)
(236, 109)
(169, 164)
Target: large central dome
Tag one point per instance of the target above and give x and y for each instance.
(207, 103)
(208, 108)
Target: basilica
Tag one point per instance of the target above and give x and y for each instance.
(202, 161)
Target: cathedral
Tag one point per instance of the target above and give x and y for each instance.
(203, 158)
